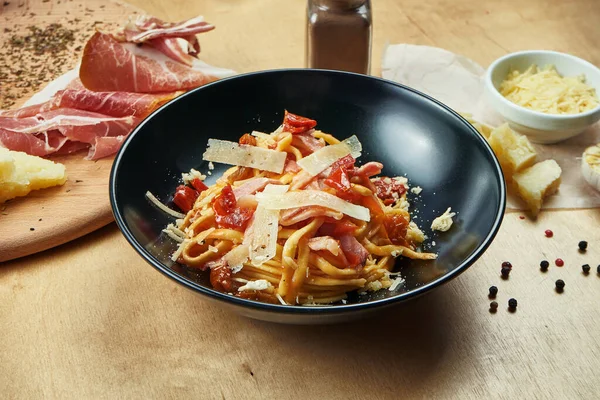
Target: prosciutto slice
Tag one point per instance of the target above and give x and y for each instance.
(109, 65)
(294, 215)
(48, 132)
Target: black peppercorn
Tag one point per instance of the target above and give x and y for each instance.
(544, 265)
(560, 285)
(493, 306)
(582, 245)
(505, 271)
(507, 264)
(598, 269)
(493, 291)
(512, 304)
(586, 268)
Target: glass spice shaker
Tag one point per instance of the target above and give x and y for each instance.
(338, 35)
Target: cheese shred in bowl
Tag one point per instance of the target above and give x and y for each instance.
(545, 90)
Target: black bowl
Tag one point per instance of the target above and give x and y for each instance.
(410, 133)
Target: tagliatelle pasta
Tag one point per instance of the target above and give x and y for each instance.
(296, 237)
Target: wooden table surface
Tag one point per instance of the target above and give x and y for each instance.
(90, 319)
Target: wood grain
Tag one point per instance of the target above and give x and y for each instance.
(47, 218)
(90, 319)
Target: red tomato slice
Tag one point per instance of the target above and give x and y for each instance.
(396, 226)
(185, 197)
(198, 185)
(224, 203)
(297, 124)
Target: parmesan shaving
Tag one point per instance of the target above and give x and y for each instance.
(162, 207)
(321, 159)
(307, 198)
(259, 284)
(236, 258)
(545, 90)
(262, 235)
(213, 249)
(244, 155)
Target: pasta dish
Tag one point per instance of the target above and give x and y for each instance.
(294, 220)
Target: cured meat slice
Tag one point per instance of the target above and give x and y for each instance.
(35, 145)
(108, 65)
(66, 119)
(145, 28)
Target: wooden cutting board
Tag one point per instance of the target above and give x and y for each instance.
(50, 217)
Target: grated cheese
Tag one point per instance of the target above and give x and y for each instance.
(179, 250)
(259, 284)
(162, 207)
(305, 198)
(190, 176)
(444, 221)
(545, 90)
(395, 284)
(416, 190)
(321, 159)
(244, 155)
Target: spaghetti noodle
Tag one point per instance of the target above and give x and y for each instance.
(309, 234)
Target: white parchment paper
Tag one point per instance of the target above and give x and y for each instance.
(458, 82)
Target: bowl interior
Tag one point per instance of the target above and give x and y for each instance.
(409, 133)
(565, 64)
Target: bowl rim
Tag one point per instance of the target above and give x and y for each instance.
(526, 111)
(305, 309)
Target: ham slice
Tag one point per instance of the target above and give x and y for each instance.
(252, 186)
(306, 143)
(36, 145)
(146, 28)
(67, 120)
(115, 104)
(353, 250)
(326, 243)
(109, 65)
(368, 170)
(175, 40)
(47, 132)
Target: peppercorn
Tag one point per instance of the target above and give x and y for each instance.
(493, 291)
(505, 271)
(507, 264)
(560, 285)
(544, 265)
(548, 233)
(586, 268)
(582, 245)
(512, 304)
(598, 269)
(493, 306)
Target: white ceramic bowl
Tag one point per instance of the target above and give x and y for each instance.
(541, 127)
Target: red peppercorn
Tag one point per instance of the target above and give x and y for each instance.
(548, 233)
(507, 264)
(521, 217)
(559, 262)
